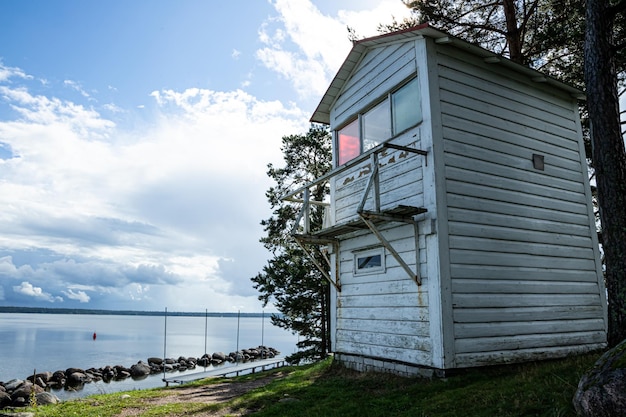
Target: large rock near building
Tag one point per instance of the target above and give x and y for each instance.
(602, 391)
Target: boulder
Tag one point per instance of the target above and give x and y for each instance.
(59, 377)
(40, 382)
(19, 402)
(45, 398)
(220, 356)
(77, 378)
(5, 399)
(122, 375)
(70, 371)
(602, 391)
(25, 390)
(155, 361)
(43, 376)
(140, 369)
(13, 384)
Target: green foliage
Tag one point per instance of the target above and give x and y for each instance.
(290, 280)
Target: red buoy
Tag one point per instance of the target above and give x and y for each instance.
(94, 335)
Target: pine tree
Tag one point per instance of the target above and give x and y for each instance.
(609, 154)
(290, 280)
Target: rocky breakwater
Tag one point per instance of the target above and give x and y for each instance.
(36, 388)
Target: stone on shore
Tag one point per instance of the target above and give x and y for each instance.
(140, 369)
(602, 391)
(5, 399)
(155, 361)
(45, 398)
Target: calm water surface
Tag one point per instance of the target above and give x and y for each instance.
(50, 342)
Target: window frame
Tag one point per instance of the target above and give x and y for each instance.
(359, 118)
(369, 252)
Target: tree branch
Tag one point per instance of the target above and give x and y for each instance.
(620, 7)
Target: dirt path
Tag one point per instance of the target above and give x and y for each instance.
(207, 394)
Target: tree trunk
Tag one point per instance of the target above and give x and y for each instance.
(609, 158)
(513, 32)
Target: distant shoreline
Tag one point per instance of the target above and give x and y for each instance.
(42, 310)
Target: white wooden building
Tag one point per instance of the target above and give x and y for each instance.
(460, 229)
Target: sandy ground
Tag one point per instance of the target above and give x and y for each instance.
(207, 394)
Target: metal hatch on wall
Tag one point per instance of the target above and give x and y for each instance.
(367, 219)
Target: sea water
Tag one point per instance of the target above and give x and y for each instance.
(51, 342)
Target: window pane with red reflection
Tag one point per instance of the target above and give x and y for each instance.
(348, 144)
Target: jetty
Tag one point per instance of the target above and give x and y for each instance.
(235, 370)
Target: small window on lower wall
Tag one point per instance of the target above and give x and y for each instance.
(369, 261)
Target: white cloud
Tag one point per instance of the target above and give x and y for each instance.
(321, 41)
(27, 289)
(113, 108)
(77, 87)
(9, 72)
(80, 296)
(140, 215)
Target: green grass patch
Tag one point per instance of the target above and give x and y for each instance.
(327, 389)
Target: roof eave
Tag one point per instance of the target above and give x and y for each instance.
(322, 112)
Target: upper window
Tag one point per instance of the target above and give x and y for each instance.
(349, 144)
(400, 110)
(376, 125)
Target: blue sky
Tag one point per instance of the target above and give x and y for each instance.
(134, 140)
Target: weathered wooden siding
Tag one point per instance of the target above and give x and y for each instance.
(381, 315)
(523, 265)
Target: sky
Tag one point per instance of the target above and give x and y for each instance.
(135, 138)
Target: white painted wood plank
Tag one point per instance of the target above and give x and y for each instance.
(488, 244)
(374, 313)
(503, 91)
(385, 340)
(494, 172)
(510, 144)
(498, 212)
(555, 273)
(493, 103)
(504, 79)
(517, 286)
(473, 257)
(516, 314)
(453, 114)
(404, 327)
(521, 189)
(490, 300)
(411, 299)
(503, 343)
(488, 194)
(378, 287)
(486, 113)
(499, 163)
(475, 330)
(413, 356)
(523, 355)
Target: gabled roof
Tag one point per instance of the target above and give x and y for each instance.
(360, 48)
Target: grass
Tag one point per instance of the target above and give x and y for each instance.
(326, 389)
